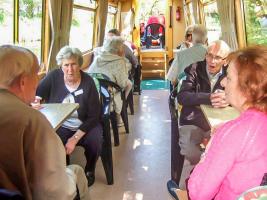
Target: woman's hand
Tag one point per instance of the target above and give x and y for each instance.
(70, 145)
(73, 141)
(37, 103)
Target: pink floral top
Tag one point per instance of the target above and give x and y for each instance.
(235, 161)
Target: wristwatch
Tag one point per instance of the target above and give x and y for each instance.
(76, 137)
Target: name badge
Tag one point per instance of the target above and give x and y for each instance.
(78, 92)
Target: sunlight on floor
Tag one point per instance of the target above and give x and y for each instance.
(137, 142)
(129, 195)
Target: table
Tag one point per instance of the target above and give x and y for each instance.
(57, 113)
(216, 116)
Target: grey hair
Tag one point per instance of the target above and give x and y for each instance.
(113, 44)
(199, 34)
(189, 30)
(68, 52)
(224, 48)
(15, 61)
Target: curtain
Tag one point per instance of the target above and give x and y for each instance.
(60, 13)
(227, 19)
(101, 21)
(195, 6)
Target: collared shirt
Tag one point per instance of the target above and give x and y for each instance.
(184, 58)
(213, 77)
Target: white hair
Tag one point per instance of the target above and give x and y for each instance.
(224, 49)
(113, 44)
(68, 52)
(14, 62)
(199, 34)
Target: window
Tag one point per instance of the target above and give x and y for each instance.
(82, 25)
(29, 14)
(212, 20)
(6, 22)
(30, 21)
(256, 21)
(189, 13)
(111, 18)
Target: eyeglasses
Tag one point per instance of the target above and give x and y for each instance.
(216, 58)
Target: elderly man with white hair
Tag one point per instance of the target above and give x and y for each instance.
(201, 86)
(33, 159)
(190, 55)
(110, 61)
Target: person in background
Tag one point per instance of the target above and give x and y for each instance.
(68, 84)
(33, 159)
(236, 157)
(111, 62)
(128, 53)
(201, 86)
(188, 39)
(186, 57)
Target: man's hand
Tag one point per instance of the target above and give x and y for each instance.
(218, 99)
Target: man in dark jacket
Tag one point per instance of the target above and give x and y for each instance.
(201, 86)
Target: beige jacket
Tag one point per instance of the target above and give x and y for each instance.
(32, 156)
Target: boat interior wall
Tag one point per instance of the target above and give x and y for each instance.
(178, 26)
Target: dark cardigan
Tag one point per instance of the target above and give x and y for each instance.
(53, 90)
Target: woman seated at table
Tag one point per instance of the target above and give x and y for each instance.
(111, 62)
(236, 158)
(69, 84)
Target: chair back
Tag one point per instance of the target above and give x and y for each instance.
(6, 194)
(177, 160)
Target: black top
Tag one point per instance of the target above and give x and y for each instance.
(53, 90)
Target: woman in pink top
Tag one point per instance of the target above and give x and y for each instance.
(236, 158)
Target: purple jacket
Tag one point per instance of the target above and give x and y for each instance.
(235, 161)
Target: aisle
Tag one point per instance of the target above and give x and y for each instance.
(142, 161)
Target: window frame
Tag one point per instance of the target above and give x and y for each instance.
(89, 9)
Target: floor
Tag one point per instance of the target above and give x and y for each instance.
(155, 84)
(142, 161)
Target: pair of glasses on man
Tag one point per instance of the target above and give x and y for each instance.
(214, 57)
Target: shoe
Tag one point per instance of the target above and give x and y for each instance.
(90, 178)
(172, 187)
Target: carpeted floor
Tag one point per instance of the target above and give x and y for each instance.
(155, 84)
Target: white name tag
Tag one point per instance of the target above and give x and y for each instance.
(78, 92)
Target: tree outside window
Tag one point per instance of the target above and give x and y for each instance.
(212, 21)
(256, 21)
(30, 21)
(82, 24)
(6, 22)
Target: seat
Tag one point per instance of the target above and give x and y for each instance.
(106, 83)
(6, 194)
(177, 160)
(106, 154)
(137, 79)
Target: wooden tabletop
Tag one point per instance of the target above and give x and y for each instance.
(217, 116)
(57, 113)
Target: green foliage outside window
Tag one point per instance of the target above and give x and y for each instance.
(256, 21)
(2, 16)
